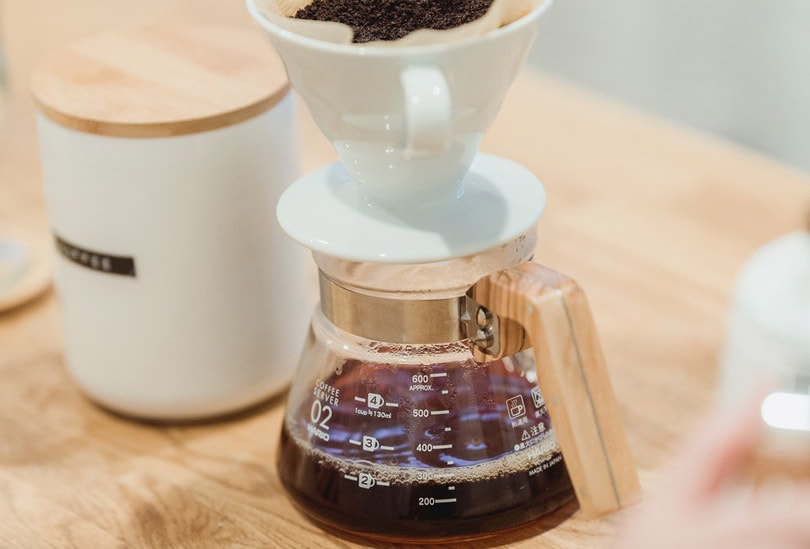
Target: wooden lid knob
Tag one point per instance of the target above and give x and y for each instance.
(161, 81)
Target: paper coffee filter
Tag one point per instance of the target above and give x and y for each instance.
(502, 12)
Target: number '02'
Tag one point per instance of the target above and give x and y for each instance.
(320, 414)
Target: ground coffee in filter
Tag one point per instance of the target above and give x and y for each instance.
(393, 19)
(394, 23)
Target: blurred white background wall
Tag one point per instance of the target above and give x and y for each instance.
(738, 68)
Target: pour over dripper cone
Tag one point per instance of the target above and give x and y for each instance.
(406, 118)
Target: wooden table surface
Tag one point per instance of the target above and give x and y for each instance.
(651, 218)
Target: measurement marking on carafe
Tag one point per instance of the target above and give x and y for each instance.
(439, 412)
(376, 401)
(431, 501)
(442, 446)
(448, 429)
(445, 391)
(370, 444)
(365, 480)
(439, 374)
(451, 487)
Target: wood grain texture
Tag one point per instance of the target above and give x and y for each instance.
(160, 80)
(652, 220)
(572, 375)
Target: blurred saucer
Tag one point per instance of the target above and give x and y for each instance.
(25, 269)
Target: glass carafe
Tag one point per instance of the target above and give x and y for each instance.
(394, 430)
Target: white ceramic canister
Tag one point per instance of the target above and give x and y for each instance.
(164, 151)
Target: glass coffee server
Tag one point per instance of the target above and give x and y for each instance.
(449, 388)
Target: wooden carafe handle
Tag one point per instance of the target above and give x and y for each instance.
(573, 379)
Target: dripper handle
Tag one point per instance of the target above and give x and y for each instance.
(428, 110)
(573, 379)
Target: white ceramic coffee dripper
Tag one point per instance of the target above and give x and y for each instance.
(407, 122)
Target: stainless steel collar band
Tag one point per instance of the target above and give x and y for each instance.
(411, 321)
(422, 321)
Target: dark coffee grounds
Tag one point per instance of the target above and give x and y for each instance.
(393, 19)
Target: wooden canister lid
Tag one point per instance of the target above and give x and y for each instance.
(161, 81)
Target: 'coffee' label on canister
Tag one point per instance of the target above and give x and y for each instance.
(96, 261)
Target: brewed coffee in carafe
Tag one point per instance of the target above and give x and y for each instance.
(449, 387)
(463, 480)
